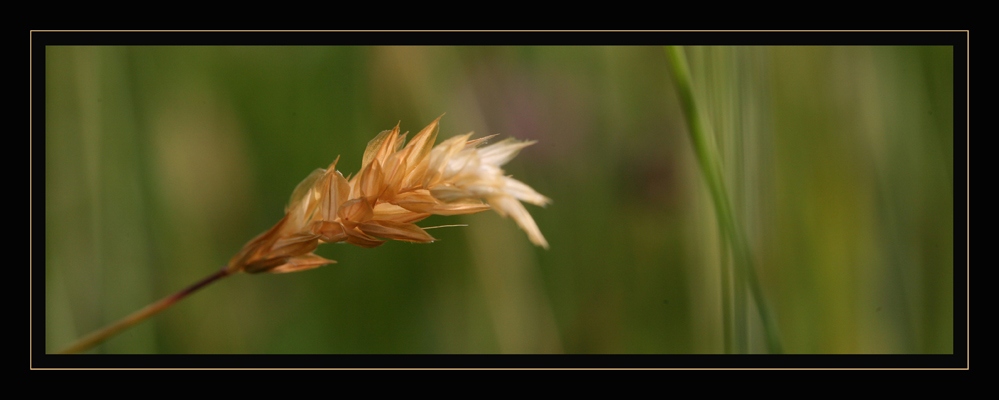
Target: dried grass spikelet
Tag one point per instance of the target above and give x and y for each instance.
(399, 184)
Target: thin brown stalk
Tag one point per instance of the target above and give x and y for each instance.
(100, 336)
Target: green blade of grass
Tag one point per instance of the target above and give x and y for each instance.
(710, 166)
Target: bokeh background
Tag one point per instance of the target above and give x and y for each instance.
(161, 162)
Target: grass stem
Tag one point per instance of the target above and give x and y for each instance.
(710, 165)
(107, 332)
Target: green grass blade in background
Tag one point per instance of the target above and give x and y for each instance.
(707, 156)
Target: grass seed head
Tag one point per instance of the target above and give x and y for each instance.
(399, 184)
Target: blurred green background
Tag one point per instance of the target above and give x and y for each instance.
(161, 162)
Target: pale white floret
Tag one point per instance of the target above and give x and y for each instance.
(475, 173)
